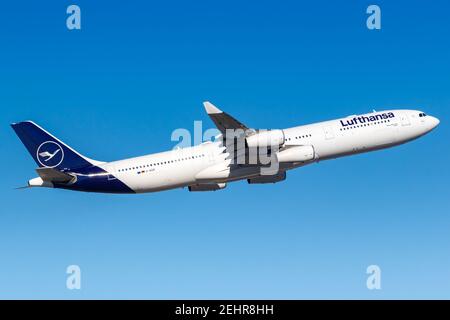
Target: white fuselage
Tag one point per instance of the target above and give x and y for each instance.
(330, 139)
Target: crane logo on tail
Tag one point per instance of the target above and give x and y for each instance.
(50, 154)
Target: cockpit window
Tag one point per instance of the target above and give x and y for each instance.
(422, 114)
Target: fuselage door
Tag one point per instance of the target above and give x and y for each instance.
(328, 130)
(405, 120)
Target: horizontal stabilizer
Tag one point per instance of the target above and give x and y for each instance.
(21, 188)
(53, 175)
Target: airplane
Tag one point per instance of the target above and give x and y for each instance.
(210, 166)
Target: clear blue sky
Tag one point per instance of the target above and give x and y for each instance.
(139, 69)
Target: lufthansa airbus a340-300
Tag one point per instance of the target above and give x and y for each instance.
(211, 165)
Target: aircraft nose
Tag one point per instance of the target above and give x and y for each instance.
(434, 122)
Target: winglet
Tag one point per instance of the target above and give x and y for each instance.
(210, 108)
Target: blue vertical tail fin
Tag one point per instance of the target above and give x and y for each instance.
(47, 150)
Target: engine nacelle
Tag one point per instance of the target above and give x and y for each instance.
(296, 154)
(207, 187)
(265, 139)
(268, 179)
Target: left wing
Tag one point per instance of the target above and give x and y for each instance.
(236, 150)
(223, 120)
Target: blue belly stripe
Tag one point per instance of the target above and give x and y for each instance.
(100, 182)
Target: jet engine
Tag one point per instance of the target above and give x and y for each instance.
(296, 154)
(265, 139)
